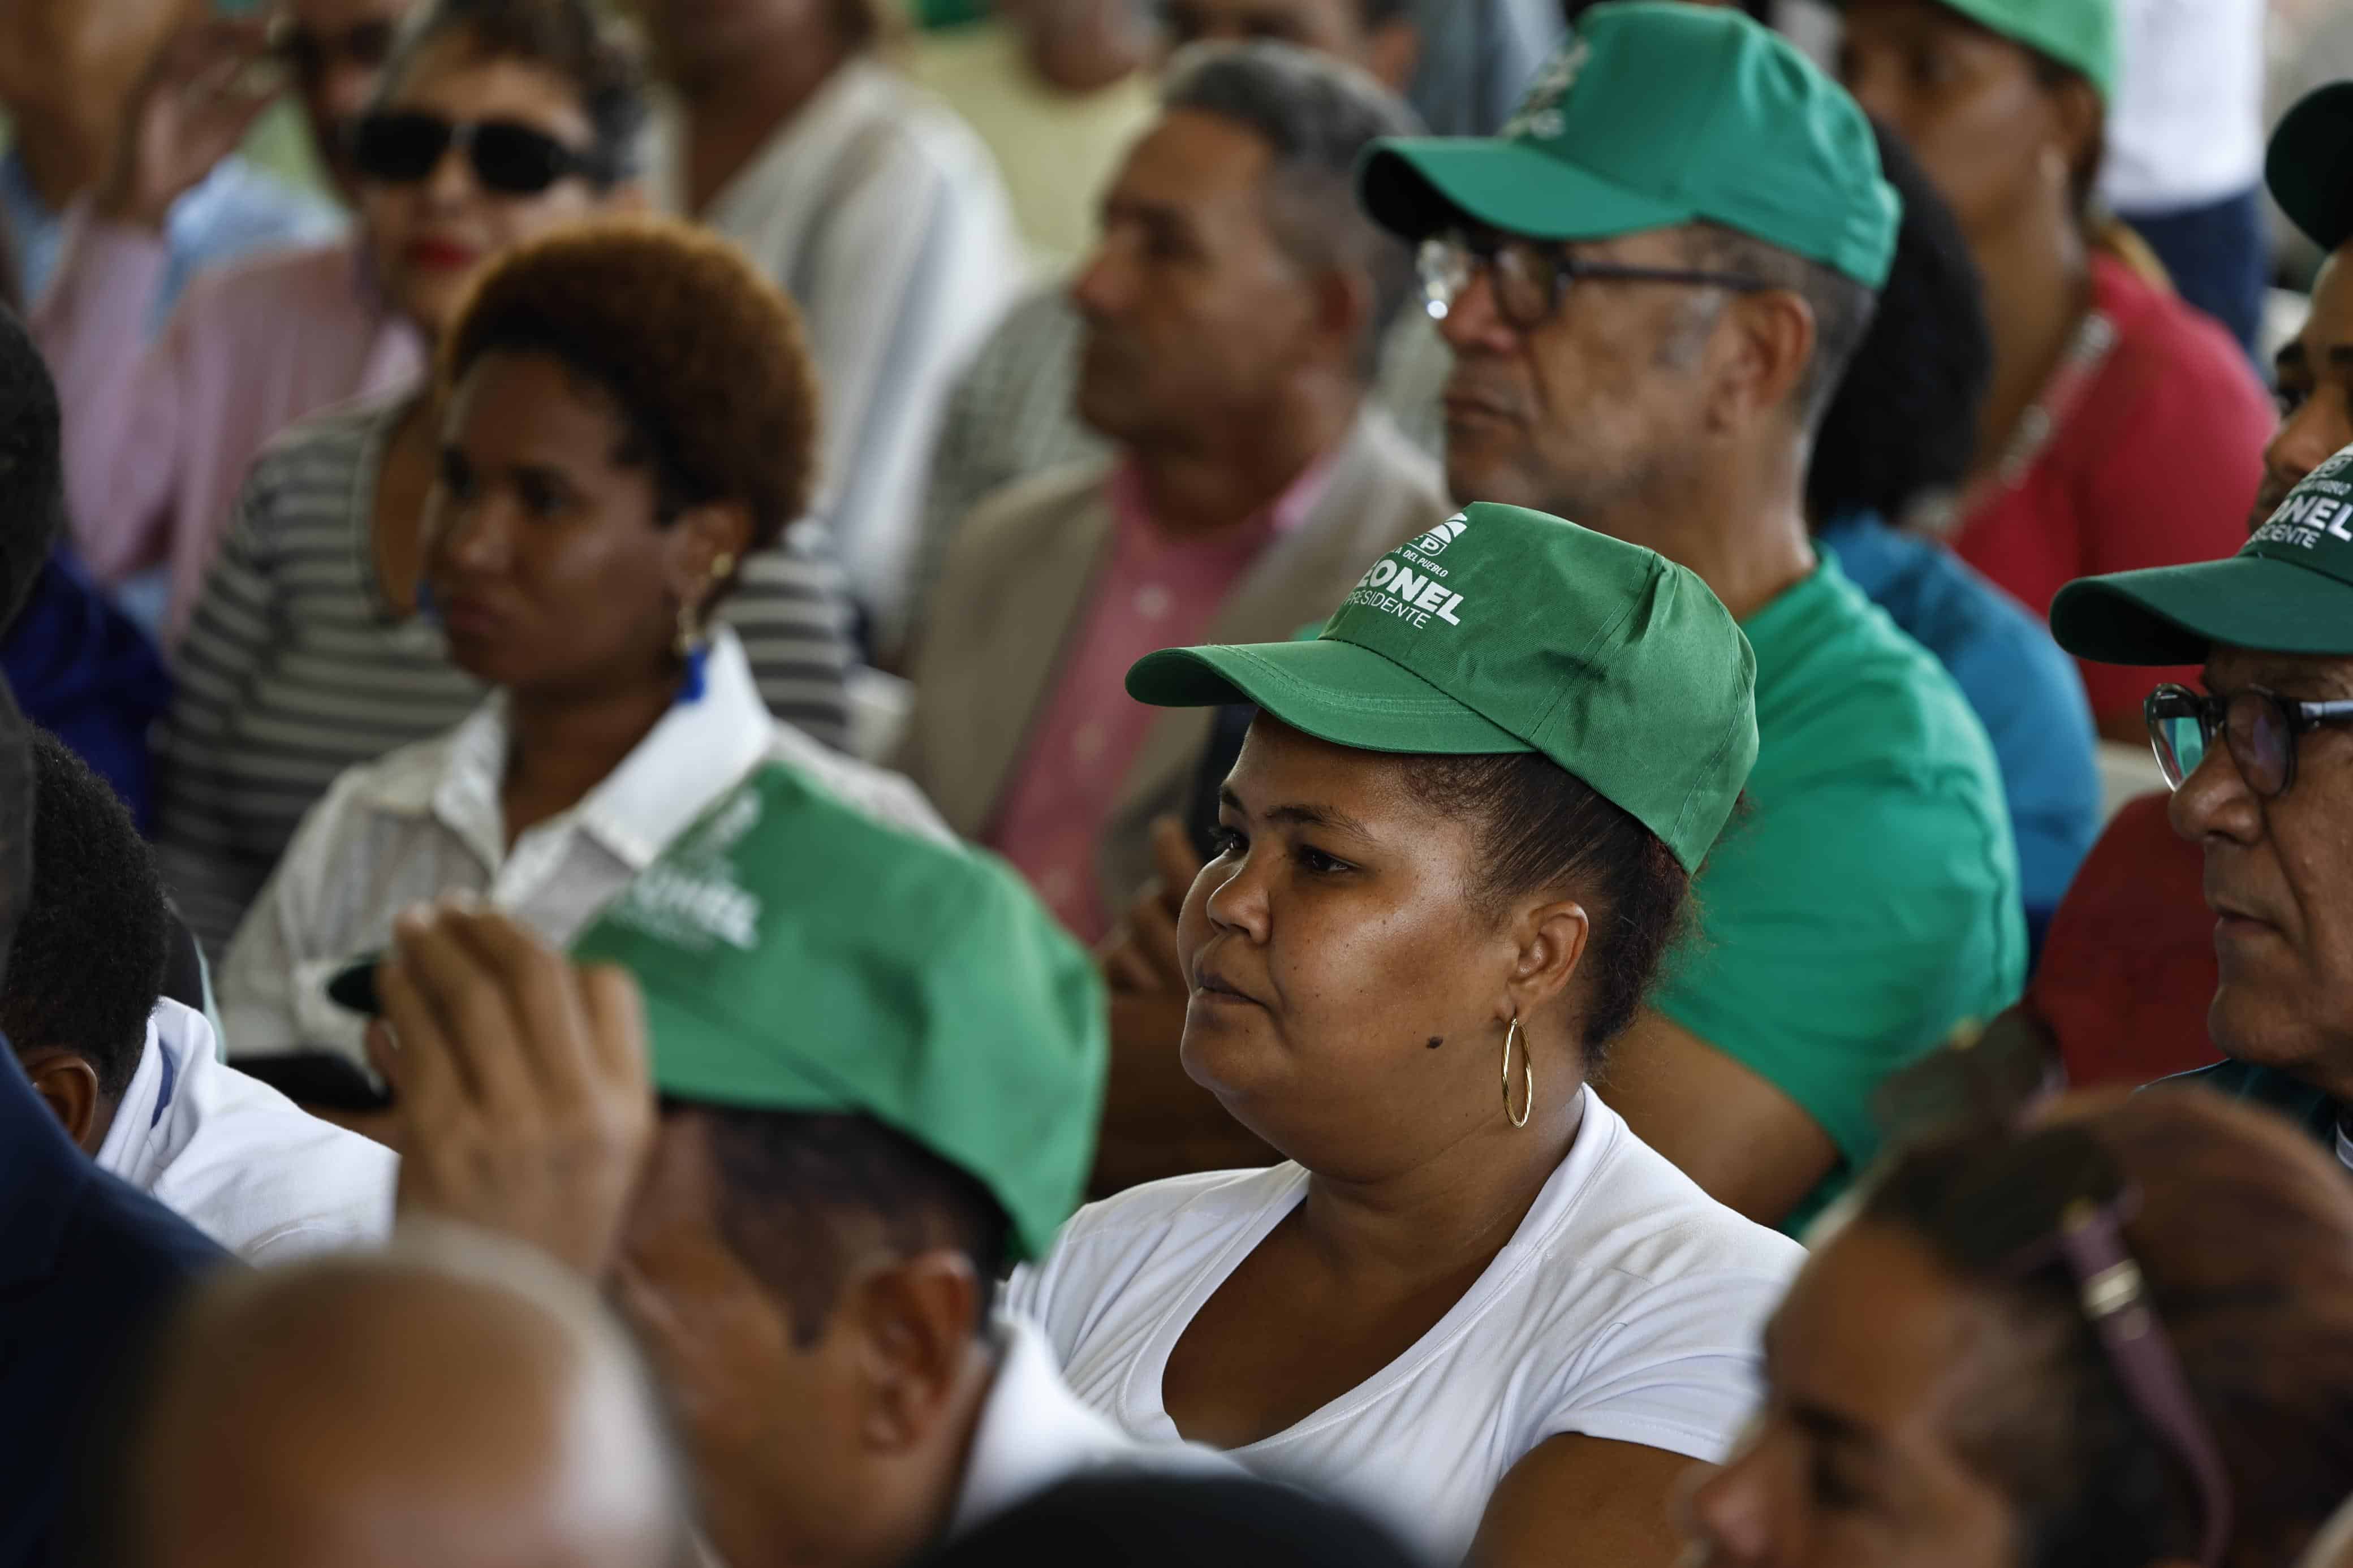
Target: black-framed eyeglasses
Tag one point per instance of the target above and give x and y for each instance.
(310, 55)
(508, 156)
(2034, 1197)
(2260, 727)
(1530, 277)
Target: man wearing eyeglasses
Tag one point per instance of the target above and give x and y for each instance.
(2262, 769)
(1652, 282)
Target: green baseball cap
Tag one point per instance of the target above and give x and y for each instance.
(2084, 36)
(1505, 630)
(2310, 166)
(2289, 591)
(796, 955)
(1653, 115)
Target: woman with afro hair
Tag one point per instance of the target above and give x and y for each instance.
(626, 417)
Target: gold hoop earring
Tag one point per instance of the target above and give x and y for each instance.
(1527, 1071)
(690, 625)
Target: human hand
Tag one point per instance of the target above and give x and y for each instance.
(1140, 956)
(520, 1082)
(191, 108)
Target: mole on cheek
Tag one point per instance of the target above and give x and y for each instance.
(1436, 1041)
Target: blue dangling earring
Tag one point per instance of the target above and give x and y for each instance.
(427, 610)
(693, 647)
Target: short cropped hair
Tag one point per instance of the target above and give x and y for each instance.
(797, 1191)
(1317, 116)
(1904, 422)
(32, 466)
(704, 356)
(1542, 828)
(87, 965)
(597, 58)
(1842, 307)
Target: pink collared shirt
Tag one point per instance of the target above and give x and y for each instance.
(158, 436)
(1154, 590)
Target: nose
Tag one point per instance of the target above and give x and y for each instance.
(2319, 428)
(1726, 1513)
(1239, 902)
(468, 539)
(450, 181)
(1104, 285)
(2214, 800)
(1473, 323)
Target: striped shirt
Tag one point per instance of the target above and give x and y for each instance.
(295, 667)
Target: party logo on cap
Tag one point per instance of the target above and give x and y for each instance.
(1408, 584)
(690, 897)
(2321, 505)
(1435, 542)
(1538, 115)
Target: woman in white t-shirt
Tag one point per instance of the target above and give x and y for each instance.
(1456, 846)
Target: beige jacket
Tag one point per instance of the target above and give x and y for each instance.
(1008, 602)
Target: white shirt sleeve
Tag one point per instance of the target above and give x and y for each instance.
(273, 986)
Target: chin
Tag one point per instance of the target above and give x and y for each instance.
(2261, 1025)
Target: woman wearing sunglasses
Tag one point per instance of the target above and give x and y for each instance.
(2261, 762)
(626, 416)
(496, 121)
(2121, 1338)
(1457, 844)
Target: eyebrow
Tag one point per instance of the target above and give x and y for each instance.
(2295, 683)
(1298, 814)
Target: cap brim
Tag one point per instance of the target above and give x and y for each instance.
(2174, 615)
(1334, 690)
(2309, 166)
(1415, 186)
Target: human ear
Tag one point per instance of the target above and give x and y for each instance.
(915, 1319)
(1552, 938)
(68, 1084)
(1344, 311)
(1393, 53)
(2078, 117)
(1767, 354)
(707, 548)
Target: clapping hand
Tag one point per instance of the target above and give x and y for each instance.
(522, 1082)
(200, 95)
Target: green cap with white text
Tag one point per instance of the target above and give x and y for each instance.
(2290, 590)
(796, 955)
(1653, 115)
(1506, 630)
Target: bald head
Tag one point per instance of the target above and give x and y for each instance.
(450, 1402)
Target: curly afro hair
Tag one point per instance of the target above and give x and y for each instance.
(705, 357)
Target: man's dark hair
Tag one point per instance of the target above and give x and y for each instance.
(1904, 422)
(801, 1193)
(87, 964)
(1542, 827)
(1374, 15)
(1842, 307)
(32, 466)
(1317, 116)
(571, 39)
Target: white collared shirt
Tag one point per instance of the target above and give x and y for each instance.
(882, 215)
(1034, 1434)
(237, 1158)
(427, 820)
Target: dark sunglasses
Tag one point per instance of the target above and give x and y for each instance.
(1530, 279)
(311, 56)
(508, 157)
(2054, 1196)
(2260, 727)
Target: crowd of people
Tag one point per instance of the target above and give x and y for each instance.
(851, 783)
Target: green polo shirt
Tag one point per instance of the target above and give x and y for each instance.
(1867, 903)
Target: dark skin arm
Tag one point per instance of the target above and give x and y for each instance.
(1752, 1147)
(1612, 1501)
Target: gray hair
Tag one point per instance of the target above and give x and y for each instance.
(1318, 116)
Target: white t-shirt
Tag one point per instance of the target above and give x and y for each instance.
(1628, 1305)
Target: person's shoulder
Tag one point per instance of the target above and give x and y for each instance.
(1846, 692)
(320, 451)
(2171, 358)
(1008, 522)
(878, 794)
(924, 126)
(1177, 1206)
(1982, 634)
(1640, 1217)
